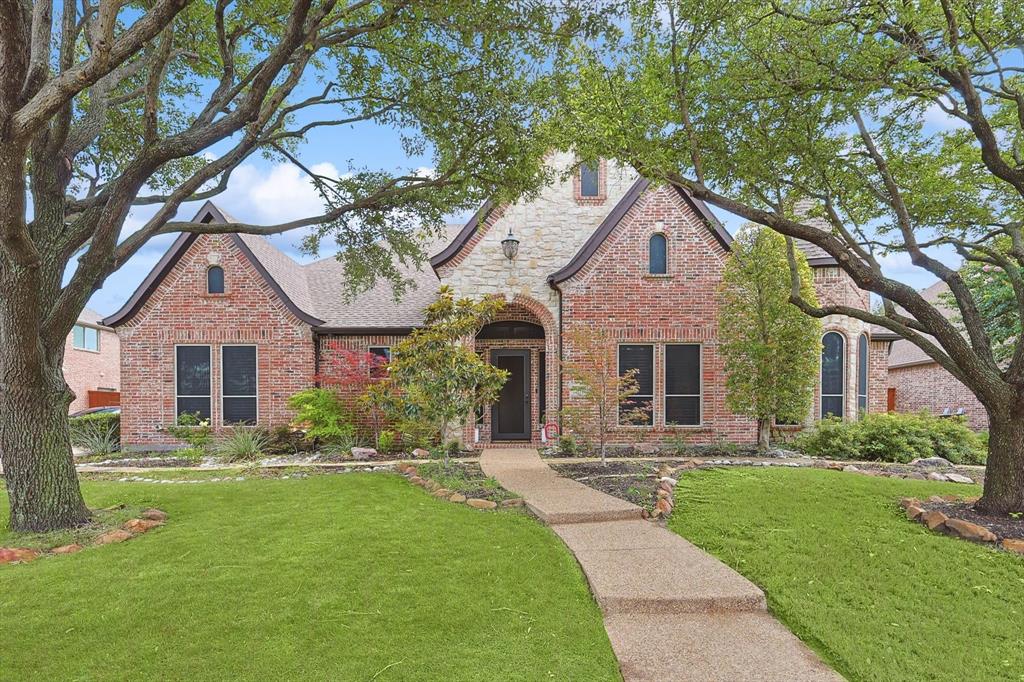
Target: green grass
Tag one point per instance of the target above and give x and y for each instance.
(879, 597)
(354, 577)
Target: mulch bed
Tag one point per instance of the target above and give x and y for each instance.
(635, 482)
(1003, 526)
(624, 451)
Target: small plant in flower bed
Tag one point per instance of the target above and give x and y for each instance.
(241, 444)
(468, 479)
(98, 433)
(192, 429)
(894, 438)
(285, 440)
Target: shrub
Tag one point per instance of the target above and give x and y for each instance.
(193, 430)
(567, 444)
(893, 438)
(241, 444)
(284, 440)
(322, 414)
(386, 441)
(98, 433)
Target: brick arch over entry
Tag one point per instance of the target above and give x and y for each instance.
(544, 367)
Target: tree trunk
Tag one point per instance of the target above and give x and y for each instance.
(1004, 472)
(35, 449)
(764, 434)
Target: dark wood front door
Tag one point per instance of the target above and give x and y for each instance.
(510, 416)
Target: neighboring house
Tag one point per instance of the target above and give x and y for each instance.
(92, 362)
(229, 326)
(918, 383)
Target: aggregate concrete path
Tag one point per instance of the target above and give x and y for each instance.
(672, 611)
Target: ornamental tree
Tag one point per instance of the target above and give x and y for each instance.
(434, 377)
(105, 106)
(771, 347)
(902, 122)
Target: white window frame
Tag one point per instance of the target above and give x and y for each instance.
(654, 385)
(85, 328)
(667, 395)
(844, 359)
(177, 414)
(256, 347)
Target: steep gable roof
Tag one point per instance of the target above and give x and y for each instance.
(315, 292)
(906, 353)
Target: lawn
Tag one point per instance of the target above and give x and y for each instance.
(879, 597)
(353, 577)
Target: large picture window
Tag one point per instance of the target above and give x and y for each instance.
(238, 384)
(682, 384)
(192, 381)
(639, 409)
(862, 375)
(833, 375)
(85, 338)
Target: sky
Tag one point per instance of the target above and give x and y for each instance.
(265, 192)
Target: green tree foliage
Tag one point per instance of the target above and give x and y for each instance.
(997, 305)
(435, 378)
(771, 348)
(903, 123)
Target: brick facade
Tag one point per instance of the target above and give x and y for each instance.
(180, 312)
(928, 387)
(89, 370)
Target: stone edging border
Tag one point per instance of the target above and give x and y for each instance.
(940, 522)
(434, 488)
(147, 520)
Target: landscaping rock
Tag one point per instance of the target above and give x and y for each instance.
(442, 492)
(1013, 545)
(933, 519)
(477, 503)
(647, 449)
(141, 525)
(154, 515)
(668, 479)
(781, 452)
(67, 549)
(457, 497)
(416, 480)
(909, 502)
(420, 453)
(970, 531)
(664, 505)
(664, 493)
(514, 502)
(931, 462)
(959, 478)
(850, 467)
(112, 536)
(913, 512)
(363, 453)
(917, 476)
(10, 555)
(936, 476)
(938, 499)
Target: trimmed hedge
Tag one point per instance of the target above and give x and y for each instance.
(894, 438)
(95, 423)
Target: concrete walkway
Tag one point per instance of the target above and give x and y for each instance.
(672, 611)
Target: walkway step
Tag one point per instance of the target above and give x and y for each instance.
(638, 567)
(731, 647)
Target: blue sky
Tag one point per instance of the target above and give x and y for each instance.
(263, 192)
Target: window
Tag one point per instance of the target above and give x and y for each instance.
(658, 255)
(590, 185)
(192, 380)
(215, 280)
(381, 357)
(682, 384)
(638, 410)
(833, 375)
(862, 375)
(85, 338)
(238, 384)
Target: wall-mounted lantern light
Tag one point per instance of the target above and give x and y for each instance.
(510, 245)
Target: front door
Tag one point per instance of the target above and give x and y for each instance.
(510, 416)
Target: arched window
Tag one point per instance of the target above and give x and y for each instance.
(833, 375)
(862, 375)
(215, 280)
(658, 254)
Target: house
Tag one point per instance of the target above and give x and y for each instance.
(228, 326)
(918, 383)
(92, 362)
